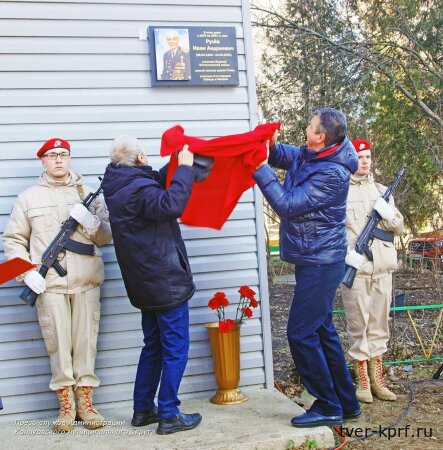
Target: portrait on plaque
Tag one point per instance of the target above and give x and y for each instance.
(172, 54)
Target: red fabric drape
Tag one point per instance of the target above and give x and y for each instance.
(13, 268)
(235, 159)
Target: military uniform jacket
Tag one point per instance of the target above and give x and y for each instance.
(37, 217)
(173, 61)
(363, 192)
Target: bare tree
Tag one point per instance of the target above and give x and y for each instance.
(397, 51)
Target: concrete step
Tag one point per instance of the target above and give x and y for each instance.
(263, 423)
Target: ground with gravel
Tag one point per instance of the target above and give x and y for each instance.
(416, 424)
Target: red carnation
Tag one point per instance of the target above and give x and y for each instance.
(213, 304)
(247, 311)
(221, 297)
(219, 300)
(247, 292)
(247, 300)
(226, 326)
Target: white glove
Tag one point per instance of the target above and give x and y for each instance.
(384, 209)
(82, 215)
(35, 282)
(354, 259)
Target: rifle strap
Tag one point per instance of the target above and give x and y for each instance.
(387, 236)
(79, 247)
(80, 191)
(380, 188)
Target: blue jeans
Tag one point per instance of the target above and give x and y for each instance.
(314, 342)
(162, 360)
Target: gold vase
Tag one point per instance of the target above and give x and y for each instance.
(226, 358)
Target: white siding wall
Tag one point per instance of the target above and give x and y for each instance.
(76, 69)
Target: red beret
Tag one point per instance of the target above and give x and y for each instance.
(361, 144)
(51, 144)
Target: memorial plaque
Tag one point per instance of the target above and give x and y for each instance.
(193, 56)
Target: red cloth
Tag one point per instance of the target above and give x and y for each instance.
(235, 160)
(13, 268)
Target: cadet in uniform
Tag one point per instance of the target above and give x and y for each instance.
(68, 307)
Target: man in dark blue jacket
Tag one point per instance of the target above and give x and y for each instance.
(155, 269)
(311, 205)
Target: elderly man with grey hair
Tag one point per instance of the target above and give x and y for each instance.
(156, 272)
(176, 61)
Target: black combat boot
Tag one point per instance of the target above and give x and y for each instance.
(179, 422)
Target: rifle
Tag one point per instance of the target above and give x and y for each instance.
(370, 231)
(60, 243)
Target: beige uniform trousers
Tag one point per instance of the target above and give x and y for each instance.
(69, 324)
(367, 311)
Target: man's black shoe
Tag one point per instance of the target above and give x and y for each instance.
(353, 414)
(314, 419)
(140, 419)
(179, 422)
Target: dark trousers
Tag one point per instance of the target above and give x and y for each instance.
(314, 342)
(162, 360)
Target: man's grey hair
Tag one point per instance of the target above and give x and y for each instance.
(332, 124)
(172, 33)
(124, 151)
